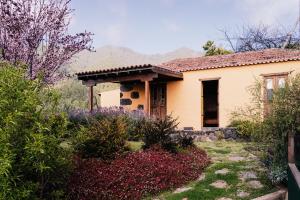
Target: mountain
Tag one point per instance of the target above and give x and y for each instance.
(113, 56)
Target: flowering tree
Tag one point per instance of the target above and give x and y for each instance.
(34, 32)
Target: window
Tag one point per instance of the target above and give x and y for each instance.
(272, 82)
(269, 89)
(281, 82)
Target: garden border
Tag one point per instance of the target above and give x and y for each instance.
(206, 134)
(280, 194)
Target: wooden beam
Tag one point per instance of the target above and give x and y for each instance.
(168, 73)
(140, 77)
(147, 97)
(277, 74)
(89, 83)
(91, 98)
(210, 79)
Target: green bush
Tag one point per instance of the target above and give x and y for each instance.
(136, 127)
(33, 164)
(247, 129)
(220, 135)
(135, 120)
(159, 131)
(185, 141)
(284, 119)
(102, 138)
(272, 130)
(73, 95)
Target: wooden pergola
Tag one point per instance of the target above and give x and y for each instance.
(143, 73)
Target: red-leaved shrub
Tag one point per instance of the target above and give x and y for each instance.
(136, 174)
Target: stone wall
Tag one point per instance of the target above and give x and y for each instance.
(132, 96)
(210, 134)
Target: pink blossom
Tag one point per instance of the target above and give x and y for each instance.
(35, 32)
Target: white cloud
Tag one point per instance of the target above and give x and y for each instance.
(267, 11)
(171, 25)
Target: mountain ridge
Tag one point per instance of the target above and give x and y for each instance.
(115, 56)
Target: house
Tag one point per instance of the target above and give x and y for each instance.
(201, 92)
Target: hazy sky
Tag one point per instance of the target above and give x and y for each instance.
(158, 26)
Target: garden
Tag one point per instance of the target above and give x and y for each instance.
(110, 167)
(51, 148)
(47, 153)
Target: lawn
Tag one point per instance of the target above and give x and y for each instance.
(237, 170)
(134, 145)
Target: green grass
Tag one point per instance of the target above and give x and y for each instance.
(219, 152)
(134, 146)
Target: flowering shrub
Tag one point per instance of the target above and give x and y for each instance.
(83, 116)
(135, 175)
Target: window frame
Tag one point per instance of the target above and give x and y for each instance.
(275, 84)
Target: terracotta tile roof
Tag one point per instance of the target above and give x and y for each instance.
(232, 60)
(211, 62)
(115, 69)
(128, 68)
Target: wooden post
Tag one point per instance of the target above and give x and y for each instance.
(291, 147)
(91, 98)
(147, 97)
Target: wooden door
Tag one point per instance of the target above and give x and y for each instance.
(158, 104)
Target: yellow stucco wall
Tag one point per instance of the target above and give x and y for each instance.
(110, 98)
(184, 97)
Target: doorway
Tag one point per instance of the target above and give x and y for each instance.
(210, 99)
(158, 103)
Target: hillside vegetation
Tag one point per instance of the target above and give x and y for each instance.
(113, 56)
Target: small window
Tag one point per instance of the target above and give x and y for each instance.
(281, 82)
(272, 83)
(269, 89)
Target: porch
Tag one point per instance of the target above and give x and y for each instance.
(143, 87)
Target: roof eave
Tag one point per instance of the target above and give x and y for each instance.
(109, 75)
